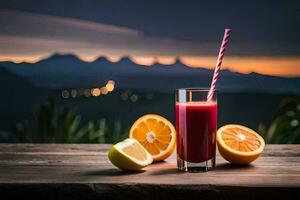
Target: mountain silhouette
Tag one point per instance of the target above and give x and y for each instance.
(8, 79)
(64, 57)
(16, 92)
(101, 60)
(68, 71)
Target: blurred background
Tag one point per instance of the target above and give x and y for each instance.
(82, 71)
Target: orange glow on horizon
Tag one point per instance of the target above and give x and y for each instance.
(278, 66)
(143, 60)
(88, 58)
(113, 58)
(269, 65)
(91, 58)
(166, 60)
(19, 59)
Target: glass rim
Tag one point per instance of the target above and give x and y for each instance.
(195, 89)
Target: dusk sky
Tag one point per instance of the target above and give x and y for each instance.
(265, 36)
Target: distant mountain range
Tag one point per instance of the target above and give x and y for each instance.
(68, 71)
(17, 94)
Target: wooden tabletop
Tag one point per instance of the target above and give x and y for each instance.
(73, 171)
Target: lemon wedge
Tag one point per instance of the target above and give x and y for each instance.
(129, 155)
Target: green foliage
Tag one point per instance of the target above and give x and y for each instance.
(285, 128)
(64, 125)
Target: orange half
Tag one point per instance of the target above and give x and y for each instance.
(239, 144)
(156, 134)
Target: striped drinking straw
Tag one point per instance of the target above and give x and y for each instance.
(218, 65)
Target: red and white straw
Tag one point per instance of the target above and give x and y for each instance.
(218, 65)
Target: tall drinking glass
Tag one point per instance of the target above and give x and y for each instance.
(196, 125)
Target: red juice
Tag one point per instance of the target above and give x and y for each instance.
(196, 125)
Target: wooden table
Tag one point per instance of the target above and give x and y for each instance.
(56, 171)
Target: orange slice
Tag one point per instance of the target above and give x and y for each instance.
(156, 134)
(239, 144)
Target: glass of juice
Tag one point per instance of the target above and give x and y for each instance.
(196, 126)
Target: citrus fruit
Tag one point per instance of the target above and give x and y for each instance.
(239, 144)
(129, 155)
(156, 134)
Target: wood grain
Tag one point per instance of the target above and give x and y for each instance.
(57, 171)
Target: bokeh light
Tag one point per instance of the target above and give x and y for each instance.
(96, 92)
(73, 93)
(87, 92)
(134, 98)
(110, 87)
(124, 96)
(65, 94)
(111, 82)
(104, 90)
(81, 91)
